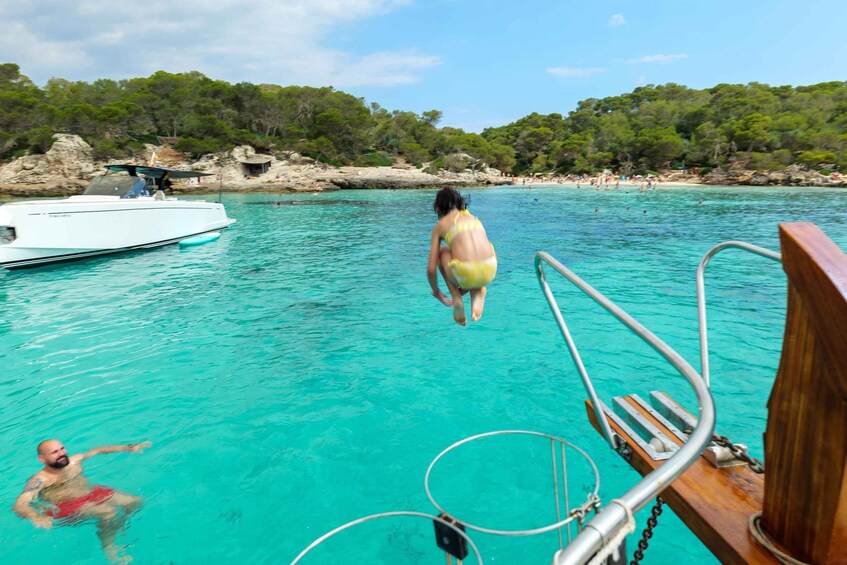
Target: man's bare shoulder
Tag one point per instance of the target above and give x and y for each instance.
(38, 481)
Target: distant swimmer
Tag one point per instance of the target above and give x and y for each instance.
(467, 262)
(60, 492)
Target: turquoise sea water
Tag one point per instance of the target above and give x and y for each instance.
(296, 374)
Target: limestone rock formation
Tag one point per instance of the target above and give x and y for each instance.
(63, 169)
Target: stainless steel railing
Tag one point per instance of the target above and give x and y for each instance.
(592, 496)
(459, 532)
(614, 517)
(701, 294)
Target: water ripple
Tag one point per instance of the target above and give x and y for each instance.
(296, 374)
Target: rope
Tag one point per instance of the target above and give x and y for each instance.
(614, 544)
(758, 532)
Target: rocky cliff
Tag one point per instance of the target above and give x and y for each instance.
(68, 167)
(65, 169)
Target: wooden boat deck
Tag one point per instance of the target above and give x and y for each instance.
(715, 504)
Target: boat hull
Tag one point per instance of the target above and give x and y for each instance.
(65, 230)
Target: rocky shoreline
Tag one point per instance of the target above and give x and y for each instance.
(68, 167)
(790, 176)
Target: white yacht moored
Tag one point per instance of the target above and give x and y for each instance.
(116, 213)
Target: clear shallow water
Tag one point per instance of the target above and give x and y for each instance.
(296, 374)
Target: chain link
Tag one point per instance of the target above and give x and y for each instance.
(652, 521)
(740, 453)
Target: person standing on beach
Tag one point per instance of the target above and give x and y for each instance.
(467, 261)
(62, 493)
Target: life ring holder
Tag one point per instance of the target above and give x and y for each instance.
(364, 519)
(592, 502)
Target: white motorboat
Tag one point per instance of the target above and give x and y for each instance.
(117, 212)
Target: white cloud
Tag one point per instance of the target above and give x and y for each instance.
(575, 71)
(20, 45)
(616, 20)
(292, 42)
(109, 38)
(656, 59)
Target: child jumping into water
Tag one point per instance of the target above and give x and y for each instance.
(467, 261)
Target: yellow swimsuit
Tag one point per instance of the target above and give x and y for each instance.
(470, 274)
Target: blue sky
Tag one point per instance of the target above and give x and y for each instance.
(482, 63)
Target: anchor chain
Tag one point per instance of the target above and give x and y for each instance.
(740, 453)
(652, 521)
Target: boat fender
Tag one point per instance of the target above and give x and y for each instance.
(200, 239)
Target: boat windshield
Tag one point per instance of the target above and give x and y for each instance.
(116, 185)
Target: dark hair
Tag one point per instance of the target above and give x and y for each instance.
(449, 199)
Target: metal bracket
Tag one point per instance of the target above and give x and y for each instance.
(636, 437)
(671, 415)
(648, 431)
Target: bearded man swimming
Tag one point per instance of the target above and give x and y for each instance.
(59, 492)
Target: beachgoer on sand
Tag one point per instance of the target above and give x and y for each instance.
(467, 261)
(60, 492)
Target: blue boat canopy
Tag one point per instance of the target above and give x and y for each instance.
(156, 172)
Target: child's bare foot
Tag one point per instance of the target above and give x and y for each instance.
(477, 303)
(459, 312)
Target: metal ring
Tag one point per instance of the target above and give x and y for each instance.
(358, 521)
(540, 530)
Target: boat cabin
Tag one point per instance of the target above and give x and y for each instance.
(139, 181)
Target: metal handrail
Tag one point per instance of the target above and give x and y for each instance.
(611, 437)
(614, 517)
(701, 294)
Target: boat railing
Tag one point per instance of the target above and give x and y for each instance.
(701, 294)
(563, 491)
(615, 517)
(456, 529)
(558, 448)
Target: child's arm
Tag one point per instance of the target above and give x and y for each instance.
(432, 267)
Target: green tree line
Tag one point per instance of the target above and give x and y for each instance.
(656, 127)
(651, 128)
(201, 115)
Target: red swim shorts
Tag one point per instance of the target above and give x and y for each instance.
(98, 495)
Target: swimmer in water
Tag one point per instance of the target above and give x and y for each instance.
(62, 493)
